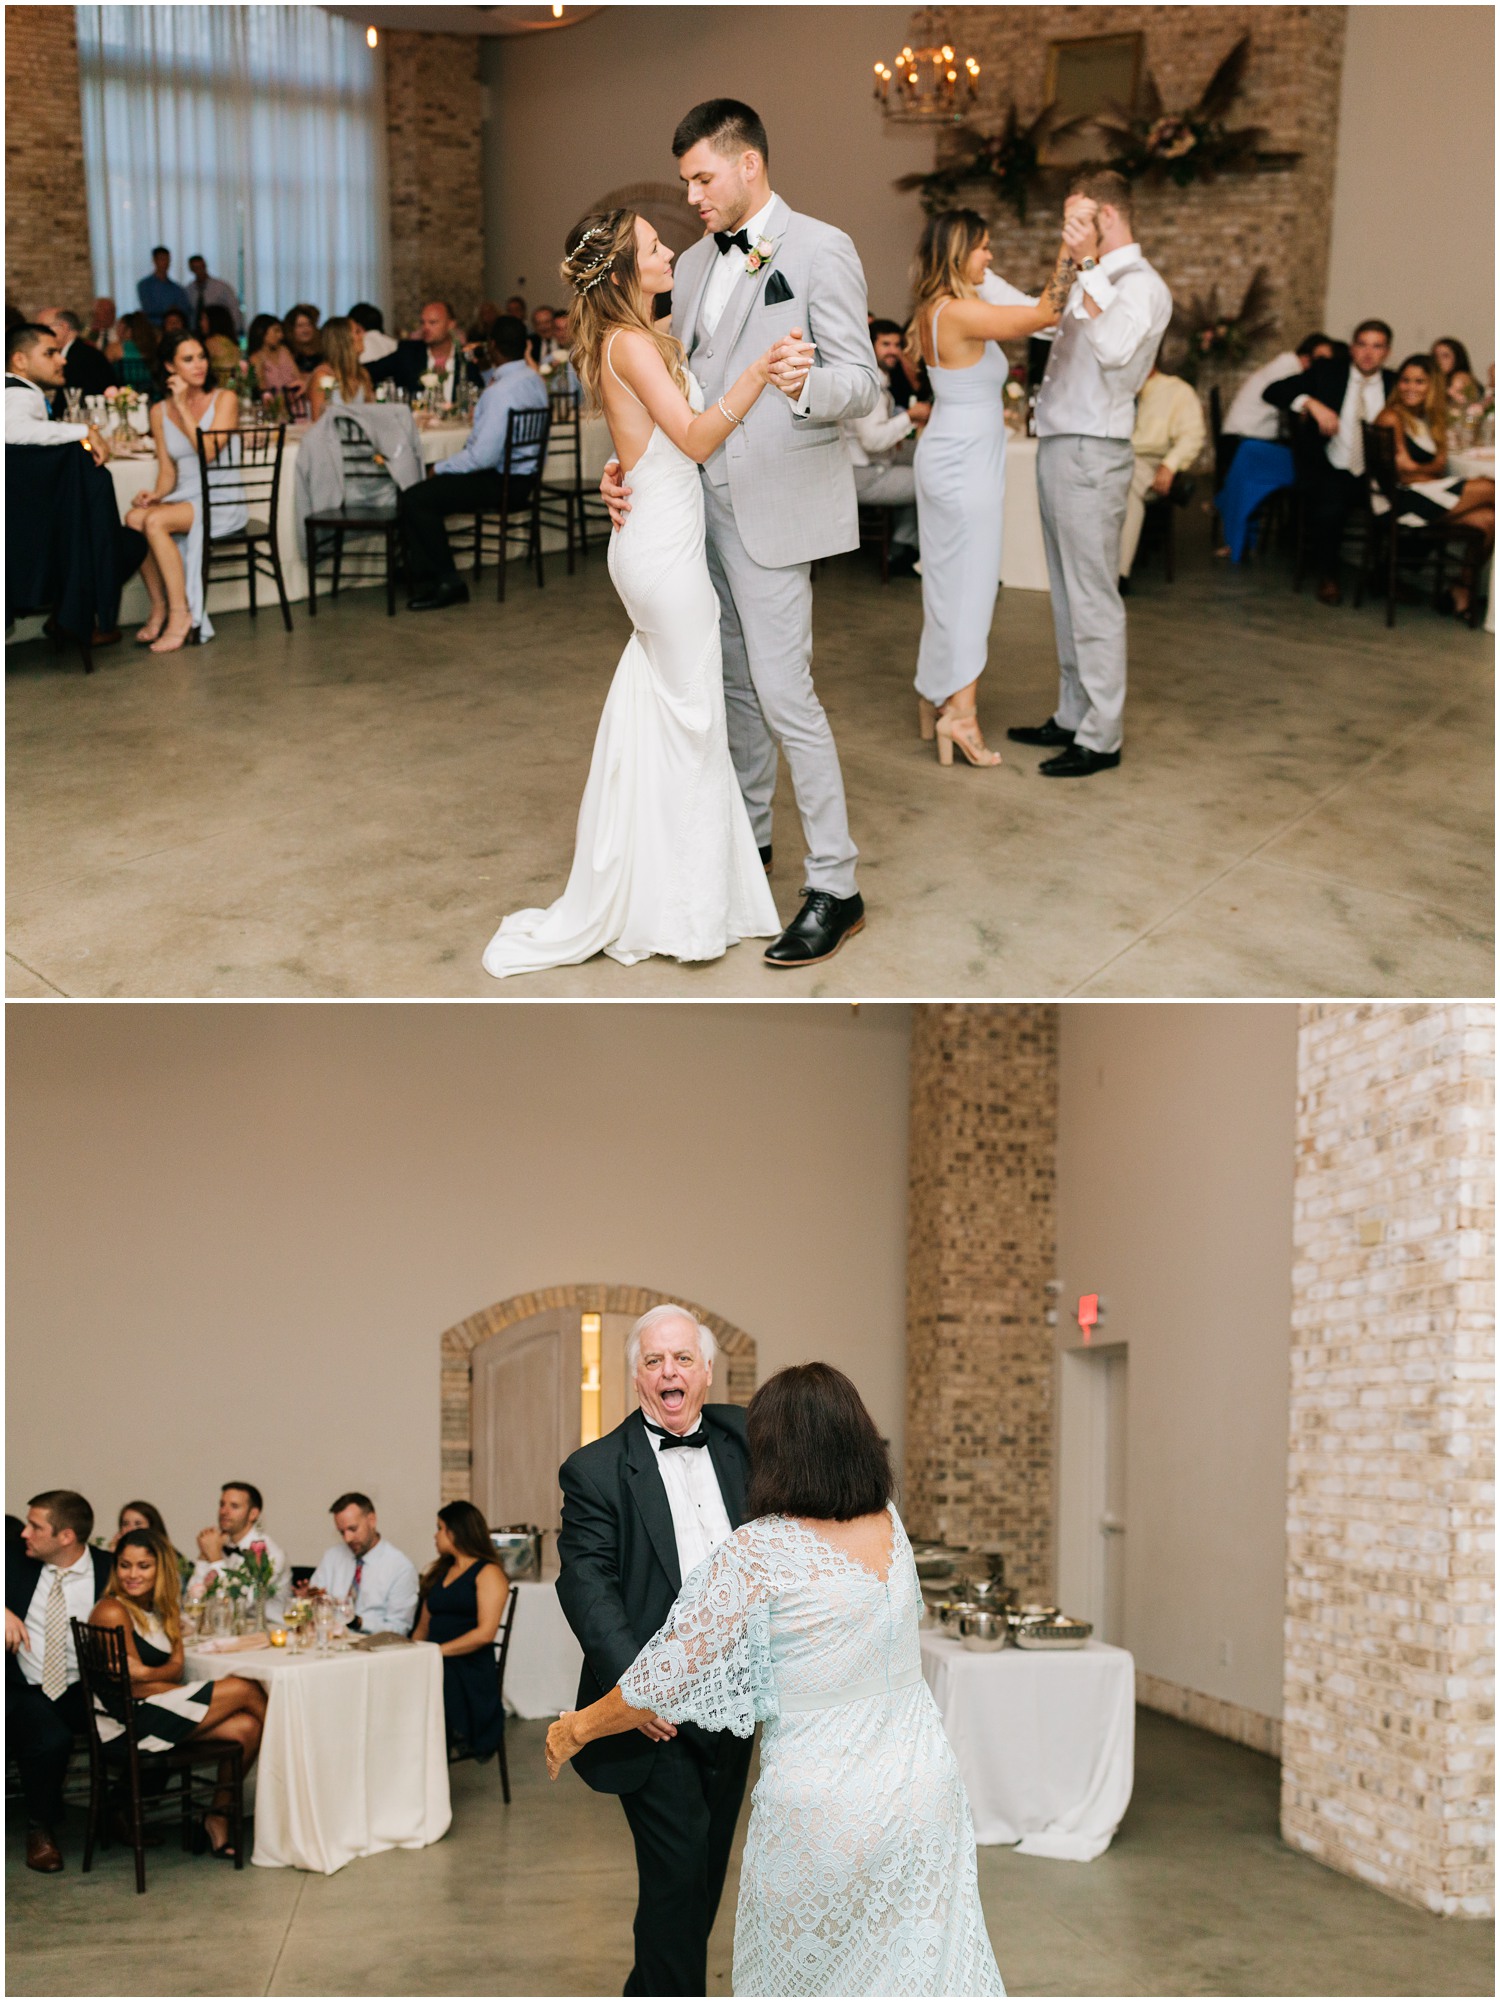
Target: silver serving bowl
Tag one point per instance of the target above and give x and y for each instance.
(984, 1632)
(1053, 1635)
(953, 1611)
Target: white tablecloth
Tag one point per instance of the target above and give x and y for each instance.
(354, 1757)
(1023, 558)
(1045, 1742)
(541, 1670)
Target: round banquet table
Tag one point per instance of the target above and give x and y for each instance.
(1045, 1741)
(542, 1668)
(354, 1757)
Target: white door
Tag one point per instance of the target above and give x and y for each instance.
(526, 1413)
(1091, 1563)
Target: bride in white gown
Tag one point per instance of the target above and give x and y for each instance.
(665, 860)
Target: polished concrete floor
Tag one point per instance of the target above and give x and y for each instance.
(1304, 807)
(1197, 1896)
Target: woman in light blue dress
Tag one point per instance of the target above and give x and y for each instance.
(170, 514)
(859, 1874)
(960, 466)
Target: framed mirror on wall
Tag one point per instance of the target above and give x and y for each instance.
(1085, 77)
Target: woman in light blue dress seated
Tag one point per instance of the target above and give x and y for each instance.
(859, 1874)
(341, 377)
(960, 466)
(170, 514)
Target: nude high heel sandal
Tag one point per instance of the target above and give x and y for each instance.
(927, 716)
(963, 731)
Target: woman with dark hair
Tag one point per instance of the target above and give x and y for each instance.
(1459, 381)
(146, 1515)
(859, 1874)
(300, 326)
(170, 514)
(960, 465)
(143, 1602)
(216, 329)
(271, 365)
(463, 1598)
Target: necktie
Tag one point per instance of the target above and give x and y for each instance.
(359, 1572)
(670, 1439)
(727, 238)
(55, 1640)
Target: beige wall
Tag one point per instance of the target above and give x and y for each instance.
(235, 1234)
(1413, 239)
(1175, 1153)
(573, 115)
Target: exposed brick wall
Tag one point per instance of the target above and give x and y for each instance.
(982, 1246)
(434, 141)
(47, 259)
(1388, 1740)
(1206, 234)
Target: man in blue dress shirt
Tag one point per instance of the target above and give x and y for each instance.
(158, 293)
(472, 478)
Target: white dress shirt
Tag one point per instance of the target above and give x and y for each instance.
(386, 1601)
(872, 439)
(1250, 416)
(79, 1597)
(700, 1521)
(1364, 399)
(27, 421)
(280, 1581)
(1098, 365)
(729, 266)
(376, 347)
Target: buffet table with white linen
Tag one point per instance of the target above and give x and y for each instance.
(354, 1757)
(1045, 1741)
(541, 1670)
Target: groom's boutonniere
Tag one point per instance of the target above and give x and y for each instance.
(763, 252)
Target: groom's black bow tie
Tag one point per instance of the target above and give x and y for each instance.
(670, 1439)
(727, 238)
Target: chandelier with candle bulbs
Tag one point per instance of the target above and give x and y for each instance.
(933, 84)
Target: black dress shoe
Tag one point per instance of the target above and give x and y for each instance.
(1051, 734)
(818, 930)
(453, 591)
(1124, 587)
(765, 858)
(1078, 763)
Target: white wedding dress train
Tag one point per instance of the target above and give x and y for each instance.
(665, 860)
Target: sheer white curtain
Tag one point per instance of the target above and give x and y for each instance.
(255, 135)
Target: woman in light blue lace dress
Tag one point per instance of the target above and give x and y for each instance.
(859, 1873)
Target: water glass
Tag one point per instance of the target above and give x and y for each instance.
(323, 1624)
(73, 403)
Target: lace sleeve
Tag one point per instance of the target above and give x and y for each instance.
(711, 1663)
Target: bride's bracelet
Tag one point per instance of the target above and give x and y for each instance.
(729, 413)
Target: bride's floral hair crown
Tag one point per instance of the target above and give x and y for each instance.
(585, 268)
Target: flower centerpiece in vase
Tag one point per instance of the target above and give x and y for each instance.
(249, 1583)
(431, 383)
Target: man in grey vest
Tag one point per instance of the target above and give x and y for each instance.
(779, 493)
(1102, 353)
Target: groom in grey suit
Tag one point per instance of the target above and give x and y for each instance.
(779, 493)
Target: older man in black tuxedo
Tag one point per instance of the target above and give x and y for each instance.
(1334, 398)
(642, 1508)
(51, 1578)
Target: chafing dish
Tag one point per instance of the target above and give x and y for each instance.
(934, 1560)
(953, 1611)
(519, 1547)
(1053, 1634)
(983, 1632)
(990, 1593)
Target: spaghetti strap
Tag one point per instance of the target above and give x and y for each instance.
(937, 359)
(608, 348)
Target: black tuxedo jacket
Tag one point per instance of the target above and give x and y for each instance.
(619, 1566)
(23, 1575)
(407, 365)
(87, 369)
(1327, 381)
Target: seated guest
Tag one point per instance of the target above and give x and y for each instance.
(84, 368)
(1452, 357)
(239, 1527)
(485, 316)
(463, 1598)
(206, 291)
(472, 478)
(216, 330)
(133, 351)
(1249, 415)
(364, 1567)
(1334, 398)
(437, 350)
(515, 307)
(51, 1580)
(159, 291)
(880, 447)
(343, 377)
(1168, 436)
(101, 324)
(1252, 463)
(146, 1515)
(300, 326)
(1417, 414)
(142, 1602)
(378, 343)
(540, 339)
(174, 321)
(270, 364)
(33, 377)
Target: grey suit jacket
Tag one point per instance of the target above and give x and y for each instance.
(790, 479)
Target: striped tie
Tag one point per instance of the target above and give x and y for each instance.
(55, 1640)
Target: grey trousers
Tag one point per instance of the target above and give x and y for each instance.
(765, 627)
(1083, 485)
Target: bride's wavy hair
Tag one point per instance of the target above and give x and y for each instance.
(814, 1448)
(600, 266)
(947, 243)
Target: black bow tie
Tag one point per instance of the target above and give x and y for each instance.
(727, 238)
(671, 1439)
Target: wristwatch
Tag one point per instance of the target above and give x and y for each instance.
(1089, 264)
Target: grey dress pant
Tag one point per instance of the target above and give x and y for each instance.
(1083, 485)
(765, 629)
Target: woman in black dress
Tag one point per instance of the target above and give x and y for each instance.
(463, 1597)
